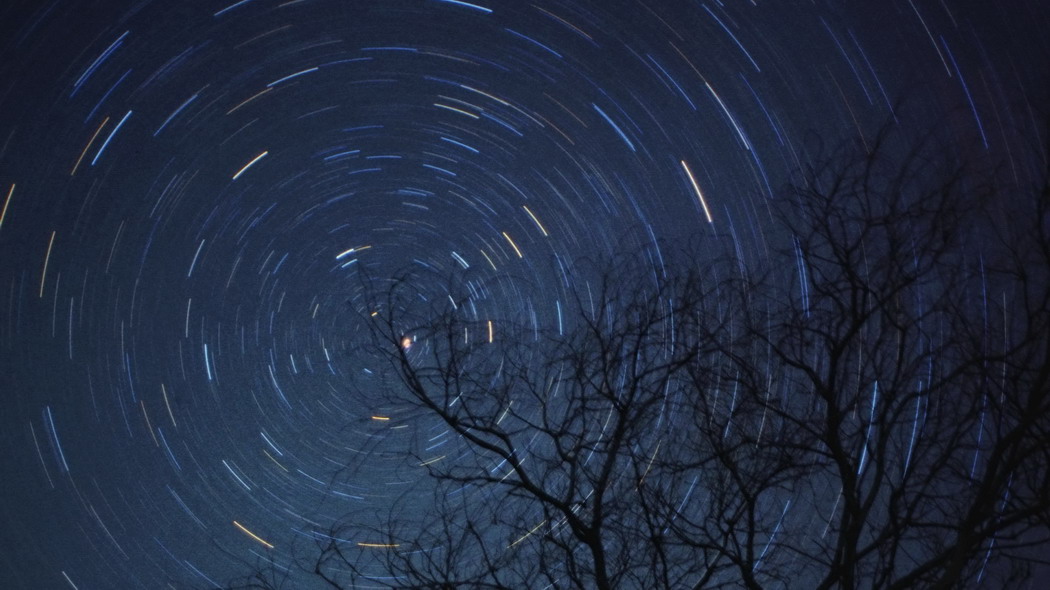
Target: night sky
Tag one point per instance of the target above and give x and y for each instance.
(190, 189)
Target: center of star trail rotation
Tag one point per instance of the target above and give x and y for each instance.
(195, 195)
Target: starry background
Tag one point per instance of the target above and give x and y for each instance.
(188, 190)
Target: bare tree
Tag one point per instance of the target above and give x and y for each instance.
(866, 407)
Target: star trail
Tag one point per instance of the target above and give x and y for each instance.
(191, 189)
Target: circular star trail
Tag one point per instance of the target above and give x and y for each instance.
(190, 193)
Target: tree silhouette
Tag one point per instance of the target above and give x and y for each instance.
(865, 406)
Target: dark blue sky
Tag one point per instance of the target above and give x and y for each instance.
(188, 189)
